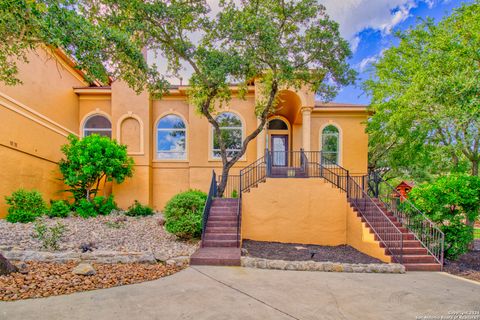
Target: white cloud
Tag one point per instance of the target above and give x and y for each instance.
(368, 61)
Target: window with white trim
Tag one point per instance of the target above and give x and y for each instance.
(171, 138)
(97, 124)
(232, 134)
(330, 144)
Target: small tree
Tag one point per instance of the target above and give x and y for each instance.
(453, 202)
(91, 160)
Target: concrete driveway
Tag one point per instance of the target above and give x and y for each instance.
(242, 293)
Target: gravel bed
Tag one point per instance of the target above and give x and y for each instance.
(44, 279)
(303, 252)
(467, 266)
(115, 232)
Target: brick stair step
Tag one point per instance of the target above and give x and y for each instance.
(406, 236)
(418, 259)
(223, 218)
(216, 257)
(221, 229)
(223, 224)
(219, 243)
(410, 251)
(422, 266)
(223, 209)
(408, 244)
(220, 236)
(222, 214)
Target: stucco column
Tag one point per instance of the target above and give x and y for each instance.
(260, 141)
(306, 127)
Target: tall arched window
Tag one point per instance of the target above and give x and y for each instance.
(171, 138)
(330, 144)
(232, 133)
(97, 124)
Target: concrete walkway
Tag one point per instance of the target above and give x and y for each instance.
(242, 293)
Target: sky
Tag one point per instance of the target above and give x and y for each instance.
(368, 25)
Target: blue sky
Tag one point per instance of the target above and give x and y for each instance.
(370, 30)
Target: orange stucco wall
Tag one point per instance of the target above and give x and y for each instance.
(307, 211)
(36, 117)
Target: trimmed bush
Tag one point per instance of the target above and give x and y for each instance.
(183, 214)
(25, 206)
(104, 205)
(85, 209)
(59, 209)
(139, 210)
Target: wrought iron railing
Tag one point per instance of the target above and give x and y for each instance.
(212, 193)
(253, 174)
(412, 218)
(232, 189)
(383, 227)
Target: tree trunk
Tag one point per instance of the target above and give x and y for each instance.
(223, 182)
(5, 266)
(475, 168)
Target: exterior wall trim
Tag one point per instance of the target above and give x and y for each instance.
(142, 136)
(47, 123)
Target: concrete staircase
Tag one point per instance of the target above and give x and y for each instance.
(415, 256)
(220, 245)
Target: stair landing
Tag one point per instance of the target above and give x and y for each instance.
(212, 256)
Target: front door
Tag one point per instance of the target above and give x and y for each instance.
(279, 149)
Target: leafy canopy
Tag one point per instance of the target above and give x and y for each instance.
(450, 201)
(90, 160)
(426, 98)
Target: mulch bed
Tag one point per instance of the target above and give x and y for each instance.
(45, 279)
(303, 252)
(467, 266)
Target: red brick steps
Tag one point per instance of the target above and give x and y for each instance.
(220, 245)
(415, 256)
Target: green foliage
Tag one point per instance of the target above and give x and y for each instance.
(91, 160)
(25, 206)
(99, 50)
(49, 236)
(85, 209)
(183, 214)
(453, 202)
(425, 99)
(104, 205)
(139, 210)
(59, 209)
(99, 205)
(234, 194)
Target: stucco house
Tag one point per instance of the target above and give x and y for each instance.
(295, 180)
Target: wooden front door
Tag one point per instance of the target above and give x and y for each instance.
(279, 147)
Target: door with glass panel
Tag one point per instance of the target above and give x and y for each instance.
(279, 147)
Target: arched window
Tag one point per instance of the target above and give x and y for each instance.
(97, 124)
(232, 134)
(330, 144)
(277, 124)
(171, 138)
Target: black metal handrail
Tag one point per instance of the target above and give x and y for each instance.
(232, 188)
(385, 230)
(253, 174)
(426, 231)
(212, 193)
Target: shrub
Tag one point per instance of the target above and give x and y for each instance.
(59, 209)
(91, 160)
(139, 210)
(85, 209)
(25, 206)
(453, 202)
(234, 194)
(49, 236)
(183, 214)
(104, 205)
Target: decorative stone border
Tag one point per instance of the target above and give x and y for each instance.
(95, 256)
(261, 263)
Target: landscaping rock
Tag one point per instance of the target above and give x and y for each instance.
(84, 269)
(260, 263)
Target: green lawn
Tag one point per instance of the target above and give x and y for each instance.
(476, 233)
